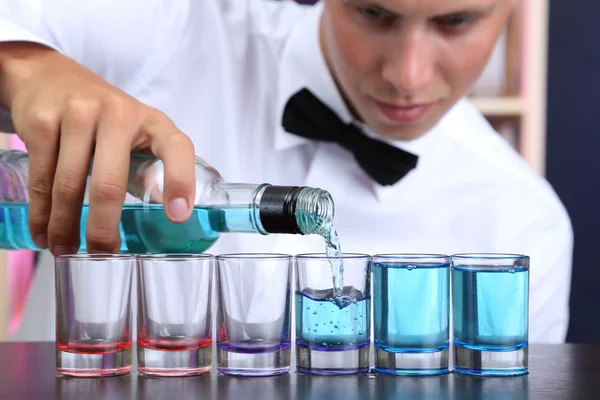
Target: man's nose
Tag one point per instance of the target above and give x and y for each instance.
(409, 66)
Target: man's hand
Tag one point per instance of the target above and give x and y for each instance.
(65, 114)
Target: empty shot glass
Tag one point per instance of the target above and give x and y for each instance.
(93, 314)
(490, 296)
(253, 314)
(174, 314)
(411, 307)
(333, 314)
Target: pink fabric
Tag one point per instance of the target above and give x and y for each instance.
(16, 143)
(20, 271)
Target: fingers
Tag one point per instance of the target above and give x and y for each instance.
(109, 180)
(43, 154)
(176, 151)
(76, 143)
(61, 145)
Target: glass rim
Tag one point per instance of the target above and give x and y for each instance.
(175, 256)
(96, 256)
(489, 256)
(411, 256)
(323, 256)
(254, 256)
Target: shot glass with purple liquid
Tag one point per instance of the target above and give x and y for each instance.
(253, 315)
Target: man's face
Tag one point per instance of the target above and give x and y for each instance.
(402, 64)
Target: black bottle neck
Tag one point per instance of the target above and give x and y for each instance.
(277, 209)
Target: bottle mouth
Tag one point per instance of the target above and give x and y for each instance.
(315, 211)
(296, 209)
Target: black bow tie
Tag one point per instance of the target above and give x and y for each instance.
(305, 115)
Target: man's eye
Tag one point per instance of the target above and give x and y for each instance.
(371, 13)
(456, 21)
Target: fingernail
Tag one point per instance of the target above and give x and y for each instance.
(178, 208)
(41, 240)
(61, 249)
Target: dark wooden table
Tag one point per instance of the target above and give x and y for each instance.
(565, 372)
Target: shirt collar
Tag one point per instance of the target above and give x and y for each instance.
(303, 66)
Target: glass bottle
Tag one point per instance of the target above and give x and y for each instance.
(219, 207)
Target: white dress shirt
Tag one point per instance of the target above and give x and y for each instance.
(223, 71)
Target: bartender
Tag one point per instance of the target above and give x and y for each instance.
(363, 98)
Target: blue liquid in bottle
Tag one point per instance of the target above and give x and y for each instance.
(143, 228)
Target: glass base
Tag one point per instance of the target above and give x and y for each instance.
(469, 361)
(253, 364)
(93, 365)
(422, 363)
(174, 363)
(343, 362)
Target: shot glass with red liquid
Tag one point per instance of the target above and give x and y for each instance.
(93, 314)
(174, 314)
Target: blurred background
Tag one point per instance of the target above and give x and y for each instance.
(538, 92)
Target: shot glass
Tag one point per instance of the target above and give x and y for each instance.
(93, 314)
(411, 309)
(333, 314)
(174, 314)
(490, 296)
(253, 314)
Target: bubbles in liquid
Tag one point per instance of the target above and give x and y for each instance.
(314, 313)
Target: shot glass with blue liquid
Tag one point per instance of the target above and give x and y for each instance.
(333, 314)
(490, 296)
(411, 313)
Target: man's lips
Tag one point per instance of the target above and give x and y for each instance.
(403, 112)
